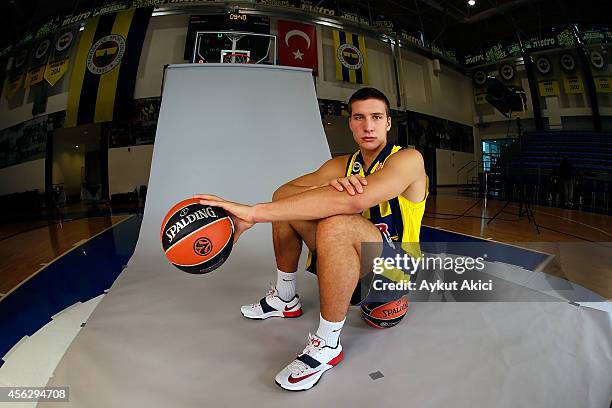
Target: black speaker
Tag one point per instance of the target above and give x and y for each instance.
(504, 98)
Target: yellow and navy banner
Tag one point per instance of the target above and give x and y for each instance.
(60, 58)
(480, 93)
(17, 73)
(351, 58)
(573, 84)
(549, 88)
(38, 62)
(603, 84)
(105, 66)
(3, 63)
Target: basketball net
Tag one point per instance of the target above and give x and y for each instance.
(236, 58)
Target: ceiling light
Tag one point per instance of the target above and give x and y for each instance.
(76, 146)
(471, 2)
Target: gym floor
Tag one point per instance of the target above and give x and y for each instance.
(26, 247)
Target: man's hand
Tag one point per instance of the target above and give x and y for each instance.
(241, 214)
(352, 184)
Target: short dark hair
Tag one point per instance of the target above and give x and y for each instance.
(368, 93)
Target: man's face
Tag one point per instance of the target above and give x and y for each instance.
(369, 123)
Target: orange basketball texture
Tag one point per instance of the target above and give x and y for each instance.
(196, 238)
(385, 315)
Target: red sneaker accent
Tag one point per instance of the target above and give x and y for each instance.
(336, 359)
(294, 380)
(296, 313)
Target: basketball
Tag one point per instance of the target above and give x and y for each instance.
(385, 315)
(197, 238)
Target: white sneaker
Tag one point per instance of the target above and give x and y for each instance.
(273, 306)
(305, 371)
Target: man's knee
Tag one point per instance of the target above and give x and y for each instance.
(334, 225)
(278, 193)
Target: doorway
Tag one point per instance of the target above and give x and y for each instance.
(77, 164)
(492, 149)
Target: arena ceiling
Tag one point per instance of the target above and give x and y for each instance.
(453, 24)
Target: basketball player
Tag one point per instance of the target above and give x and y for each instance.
(375, 195)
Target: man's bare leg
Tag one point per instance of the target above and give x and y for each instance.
(288, 236)
(339, 241)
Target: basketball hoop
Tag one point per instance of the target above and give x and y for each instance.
(234, 47)
(236, 58)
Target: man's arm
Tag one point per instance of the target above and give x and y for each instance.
(330, 169)
(401, 170)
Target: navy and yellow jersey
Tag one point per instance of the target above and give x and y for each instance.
(398, 217)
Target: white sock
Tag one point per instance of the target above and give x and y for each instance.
(330, 331)
(285, 284)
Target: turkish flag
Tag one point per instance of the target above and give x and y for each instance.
(298, 45)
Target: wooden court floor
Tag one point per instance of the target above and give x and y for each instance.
(581, 240)
(26, 247)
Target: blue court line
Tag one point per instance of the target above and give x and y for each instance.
(467, 245)
(90, 269)
(78, 276)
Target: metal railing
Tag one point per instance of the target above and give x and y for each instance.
(468, 169)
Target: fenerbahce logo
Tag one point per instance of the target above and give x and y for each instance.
(350, 56)
(106, 54)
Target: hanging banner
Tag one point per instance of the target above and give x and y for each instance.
(480, 94)
(480, 99)
(60, 58)
(603, 84)
(543, 65)
(479, 77)
(105, 67)
(38, 63)
(573, 85)
(17, 73)
(597, 60)
(548, 88)
(506, 71)
(351, 59)
(567, 62)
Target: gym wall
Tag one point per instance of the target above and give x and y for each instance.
(447, 164)
(26, 176)
(446, 94)
(128, 168)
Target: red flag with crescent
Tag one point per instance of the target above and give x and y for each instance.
(298, 45)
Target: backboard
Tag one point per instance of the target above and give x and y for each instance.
(234, 47)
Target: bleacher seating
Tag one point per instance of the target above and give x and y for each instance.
(533, 165)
